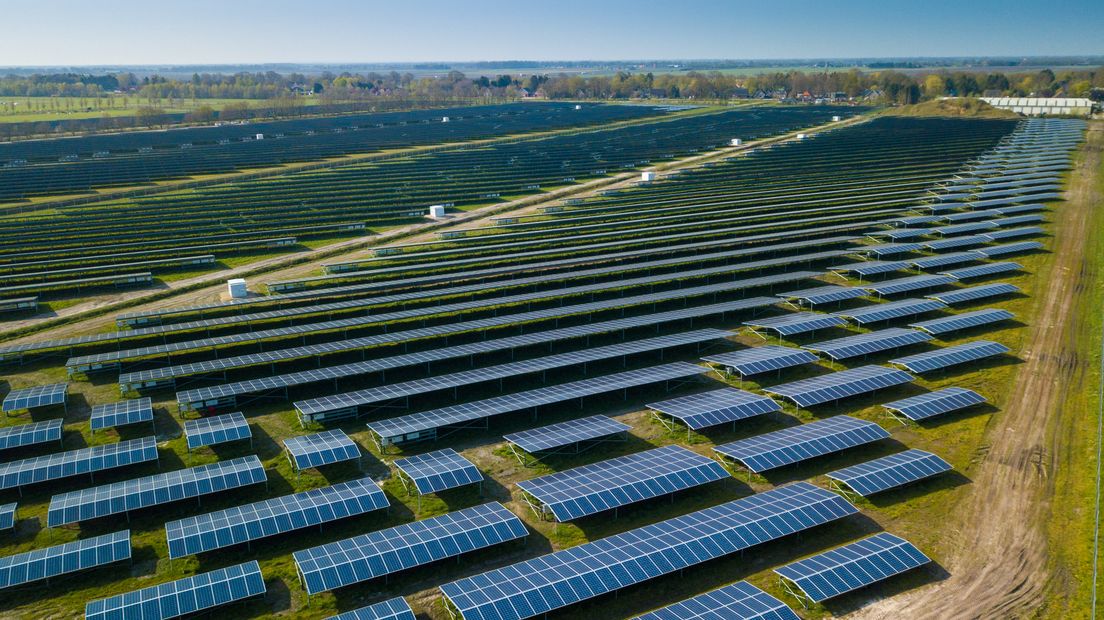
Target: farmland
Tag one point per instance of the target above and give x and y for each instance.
(933, 253)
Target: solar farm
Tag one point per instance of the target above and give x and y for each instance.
(642, 369)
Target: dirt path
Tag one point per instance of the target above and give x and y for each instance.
(998, 564)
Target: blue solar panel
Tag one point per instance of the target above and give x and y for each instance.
(798, 443)
(871, 267)
(739, 601)
(950, 356)
(216, 429)
(7, 516)
(837, 385)
(824, 294)
(889, 249)
(439, 470)
(75, 462)
(539, 585)
(872, 342)
(183, 596)
(619, 481)
(903, 285)
(903, 233)
(796, 323)
(1019, 219)
(65, 558)
(1008, 248)
(976, 292)
(1012, 233)
(956, 242)
(37, 396)
(707, 409)
(30, 434)
(890, 472)
(964, 320)
(392, 609)
(269, 517)
(931, 404)
(942, 260)
(121, 413)
(958, 229)
(323, 448)
(978, 271)
(379, 553)
(566, 433)
(154, 490)
(891, 310)
(853, 566)
(755, 360)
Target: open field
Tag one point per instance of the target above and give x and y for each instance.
(551, 291)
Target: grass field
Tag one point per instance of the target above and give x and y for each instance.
(23, 109)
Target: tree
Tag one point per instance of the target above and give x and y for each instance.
(934, 86)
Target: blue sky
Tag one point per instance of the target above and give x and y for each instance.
(83, 32)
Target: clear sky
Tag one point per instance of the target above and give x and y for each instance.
(104, 32)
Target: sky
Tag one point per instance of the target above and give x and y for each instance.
(159, 32)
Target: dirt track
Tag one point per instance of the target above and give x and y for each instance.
(998, 562)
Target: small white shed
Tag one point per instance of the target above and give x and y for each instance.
(236, 288)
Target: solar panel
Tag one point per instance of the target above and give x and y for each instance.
(888, 249)
(74, 462)
(956, 242)
(950, 356)
(594, 488)
(216, 429)
(871, 342)
(241, 524)
(121, 413)
(36, 396)
(903, 233)
(183, 596)
(1008, 248)
(978, 271)
(824, 294)
(890, 472)
(715, 407)
(392, 609)
(796, 323)
(871, 267)
(154, 490)
(853, 566)
(539, 585)
(322, 448)
(379, 553)
(902, 285)
(891, 310)
(439, 470)
(931, 404)
(566, 433)
(30, 434)
(424, 424)
(798, 443)
(837, 385)
(976, 292)
(7, 516)
(942, 260)
(755, 360)
(1011, 233)
(65, 558)
(739, 601)
(1019, 219)
(313, 408)
(958, 229)
(964, 320)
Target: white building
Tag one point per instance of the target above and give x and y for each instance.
(1036, 106)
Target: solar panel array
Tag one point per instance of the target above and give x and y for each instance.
(890, 310)
(619, 481)
(216, 429)
(556, 580)
(890, 472)
(715, 407)
(931, 404)
(974, 293)
(83, 461)
(36, 396)
(1009, 248)
(739, 601)
(797, 323)
(837, 385)
(964, 320)
(904, 285)
(824, 294)
(853, 566)
(241, 524)
(184, 596)
(950, 356)
(756, 360)
(566, 433)
(798, 443)
(109, 499)
(323, 448)
(375, 554)
(439, 470)
(121, 413)
(872, 267)
(392, 609)
(871, 342)
(30, 434)
(7, 516)
(63, 559)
